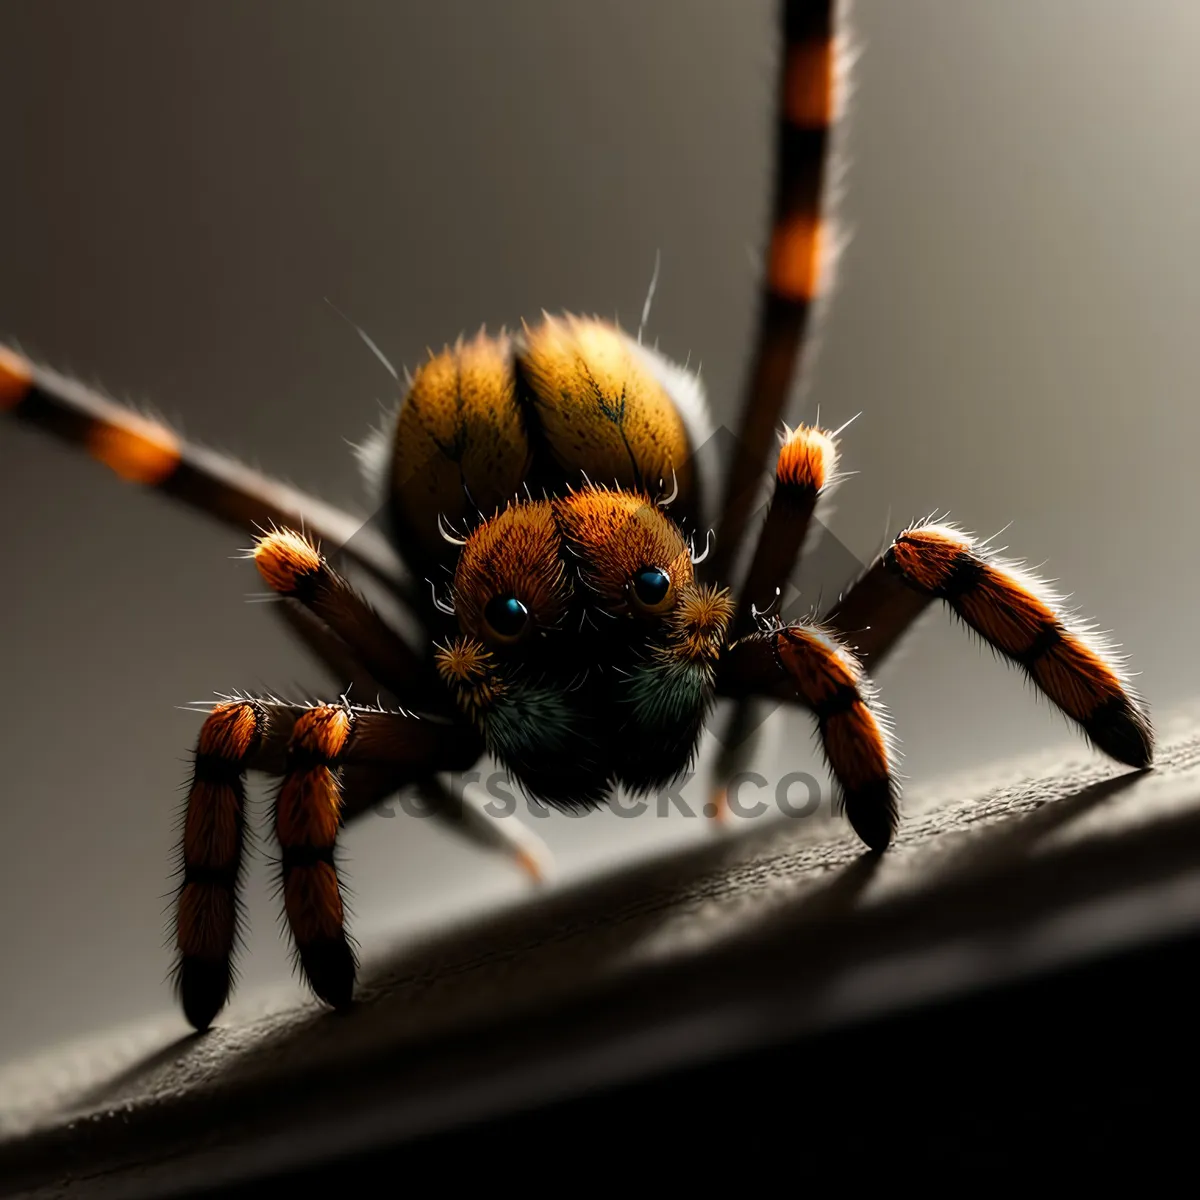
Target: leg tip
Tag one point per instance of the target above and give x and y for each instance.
(203, 990)
(1123, 732)
(872, 813)
(330, 970)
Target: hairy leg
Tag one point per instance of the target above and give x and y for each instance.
(308, 747)
(147, 452)
(795, 274)
(806, 464)
(804, 664)
(1016, 614)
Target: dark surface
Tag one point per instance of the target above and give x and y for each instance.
(1080, 1068)
(734, 966)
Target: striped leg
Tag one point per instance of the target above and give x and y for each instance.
(147, 452)
(207, 907)
(806, 665)
(308, 747)
(806, 463)
(344, 670)
(308, 814)
(353, 641)
(293, 567)
(876, 612)
(1013, 612)
(797, 263)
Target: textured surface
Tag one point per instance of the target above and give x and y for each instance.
(751, 938)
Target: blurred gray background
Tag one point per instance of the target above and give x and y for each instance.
(185, 182)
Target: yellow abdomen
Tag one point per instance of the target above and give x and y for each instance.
(500, 417)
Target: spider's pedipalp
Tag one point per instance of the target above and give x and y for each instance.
(1021, 618)
(807, 665)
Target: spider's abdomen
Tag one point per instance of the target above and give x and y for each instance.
(498, 418)
(461, 443)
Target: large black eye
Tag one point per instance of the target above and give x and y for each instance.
(650, 588)
(507, 617)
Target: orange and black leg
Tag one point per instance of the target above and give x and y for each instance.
(354, 642)
(207, 907)
(344, 671)
(794, 282)
(1015, 613)
(805, 467)
(797, 260)
(346, 634)
(293, 567)
(805, 664)
(308, 815)
(312, 749)
(149, 453)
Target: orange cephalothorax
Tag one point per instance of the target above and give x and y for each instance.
(631, 557)
(607, 700)
(510, 578)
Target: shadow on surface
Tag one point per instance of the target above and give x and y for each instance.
(534, 957)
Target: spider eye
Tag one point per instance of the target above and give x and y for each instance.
(650, 588)
(507, 618)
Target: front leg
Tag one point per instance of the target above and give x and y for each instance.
(308, 815)
(807, 665)
(1016, 614)
(309, 747)
(803, 470)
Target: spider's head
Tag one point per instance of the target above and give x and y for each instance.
(510, 585)
(508, 668)
(585, 640)
(635, 570)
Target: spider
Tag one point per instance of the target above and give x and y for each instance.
(549, 481)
